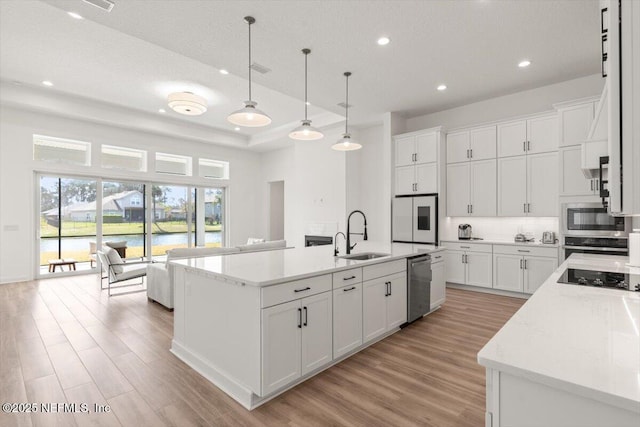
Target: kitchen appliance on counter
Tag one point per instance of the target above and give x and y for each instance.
(601, 279)
(415, 219)
(419, 287)
(465, 232)
(548, 237)
(521, 238)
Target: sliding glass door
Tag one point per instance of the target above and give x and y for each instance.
(124, 218)
(172, 221)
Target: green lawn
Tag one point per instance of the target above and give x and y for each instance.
(73, 228)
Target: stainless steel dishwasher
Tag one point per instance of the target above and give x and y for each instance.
(419, 286)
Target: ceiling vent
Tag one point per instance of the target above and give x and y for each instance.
(343, 105)
(105, 5)
(260, 68)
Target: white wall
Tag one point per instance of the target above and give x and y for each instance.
(18, 189)
(516, 104)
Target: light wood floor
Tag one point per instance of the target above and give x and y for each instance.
(62, 340)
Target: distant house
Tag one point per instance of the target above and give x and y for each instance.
(212, 208)
(128, 205)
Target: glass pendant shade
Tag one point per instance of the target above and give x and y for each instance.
(306, 132)
(249, 116)
(346, 144)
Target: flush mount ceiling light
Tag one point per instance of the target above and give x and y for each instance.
(305, 132)
(524, 63)
(187, 103)
(249, 116)
(383, 41)
(345, 143)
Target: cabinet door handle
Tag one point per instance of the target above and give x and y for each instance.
(300, 318)
(349, 278)
(524, 207)
(389, 288)
(471, 208)
(301, 290)
(528, 145)
(524, 145)
(467, 153)
(471, 153)
(520, 263)
(597, 187)
(350, 289)
(306, 316)
(528, 207)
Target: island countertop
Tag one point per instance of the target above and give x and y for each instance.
(584, 340)
(271, 267)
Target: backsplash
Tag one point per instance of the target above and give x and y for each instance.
(499, 228)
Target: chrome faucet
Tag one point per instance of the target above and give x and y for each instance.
(335, 243)
(349, 233)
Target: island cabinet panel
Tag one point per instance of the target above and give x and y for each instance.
(297, 338)
(384, 305)
(384, 269)
(281, 345)
(347, 319)
(277, 294)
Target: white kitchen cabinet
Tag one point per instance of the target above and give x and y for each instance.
(542, 184)
(384, 305)
(536, 271)
(471, 188)
(528, 185)
(297, 338)
(575, 122)
(469, 264)
(572, 180)
(416, 163)
(347, 319)
(522, 268)
(438, 283)
(535, 135)
(282, 349)
(512, 186)
(474, 144)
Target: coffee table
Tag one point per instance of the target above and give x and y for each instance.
(53, 263)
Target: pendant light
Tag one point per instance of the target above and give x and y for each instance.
(249, 116)
(305, 132)
(345, 143)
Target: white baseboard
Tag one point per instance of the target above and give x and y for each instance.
(488, 290)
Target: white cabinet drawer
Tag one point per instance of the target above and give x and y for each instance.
(525, 251)
(347, 277)
(384, 269)
(469, 247)
(277, 294)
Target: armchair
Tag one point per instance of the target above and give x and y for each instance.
(118, 271)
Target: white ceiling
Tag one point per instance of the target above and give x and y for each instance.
(142, 50)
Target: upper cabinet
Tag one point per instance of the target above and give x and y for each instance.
(575, 122)
(416, 161)
(474, 144)
(535, 135)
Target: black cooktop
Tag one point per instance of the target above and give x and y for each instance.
(601, 279)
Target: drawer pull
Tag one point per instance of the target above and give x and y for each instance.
(523, 250)
(465, 247)
(350, 289)
(348, 278)
(302, 290)
(437, 257)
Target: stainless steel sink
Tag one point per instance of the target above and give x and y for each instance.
(364, 256)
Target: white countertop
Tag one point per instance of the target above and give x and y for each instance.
(504, 242)
(283, 265)
(581, 339)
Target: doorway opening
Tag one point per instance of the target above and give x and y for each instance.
(276, 210)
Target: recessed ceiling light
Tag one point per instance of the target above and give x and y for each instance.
(442, 87)
(236, 128)
(223, 71)
(308, 103)
(524, 63)
(74, 15)
(47, 83)
(162, 110)
(383, 41)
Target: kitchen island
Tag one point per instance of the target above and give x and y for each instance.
(257, 324)
(570, 356)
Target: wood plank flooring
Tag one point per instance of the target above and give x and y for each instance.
(64, 341)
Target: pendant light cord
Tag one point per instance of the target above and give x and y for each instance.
(306, 54)
(346, 107)
(249, 59)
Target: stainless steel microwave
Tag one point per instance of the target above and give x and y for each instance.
(592, 219)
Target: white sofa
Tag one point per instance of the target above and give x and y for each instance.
(159, 283)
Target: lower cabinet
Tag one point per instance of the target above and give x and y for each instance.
(522, 270)
(438, 286)
(296, 339)
(384, 305)
(347, 319)
(469, 268)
